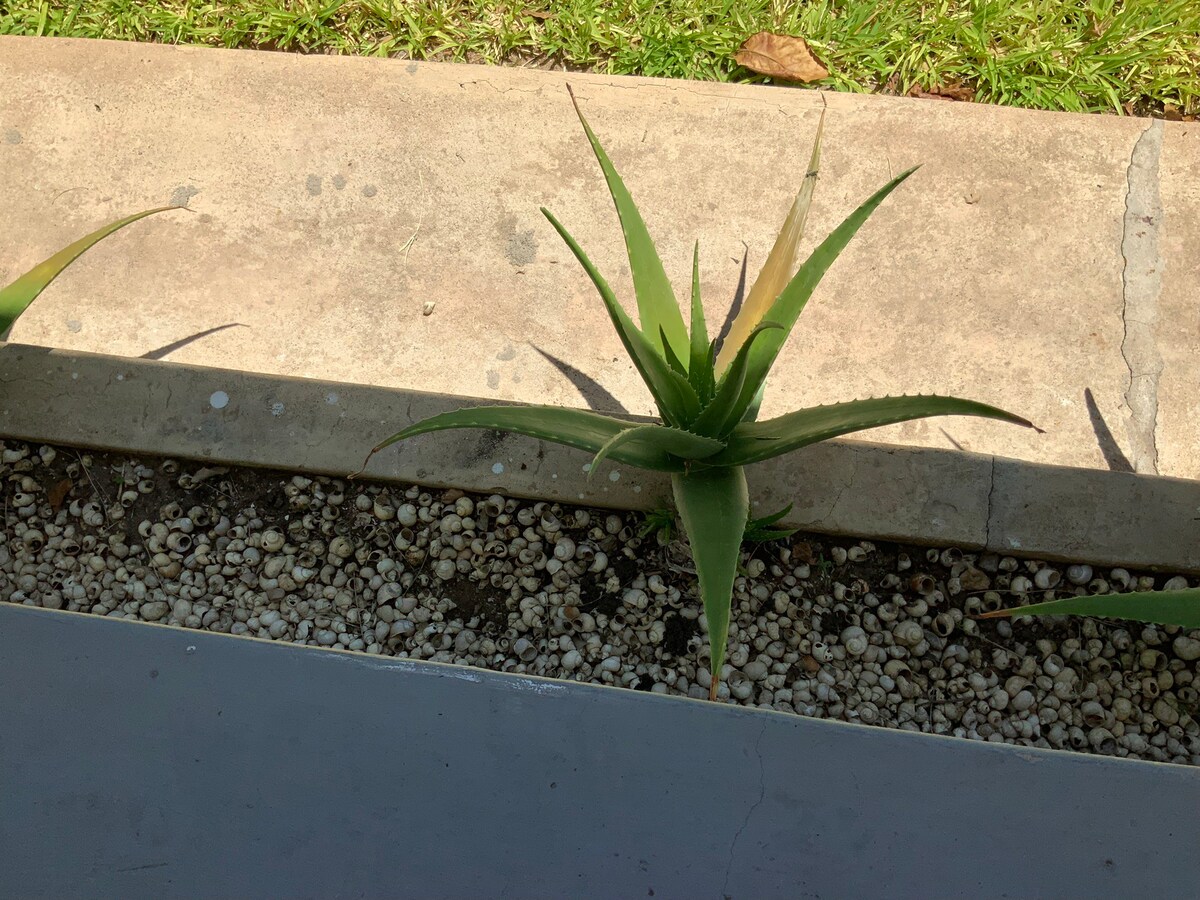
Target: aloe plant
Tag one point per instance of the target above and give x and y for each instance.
(708, 395)
(16, 297)
(1159, 607)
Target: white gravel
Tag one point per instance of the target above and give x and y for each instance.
(835, 629)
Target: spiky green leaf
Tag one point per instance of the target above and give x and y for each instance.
(722, 413)
(791, 301)
(577, 428)
(763, 535)
(669, 355)
(759, 530)
(771, 519)
(700, 370)
(16, 297)
(657, 306)
(673, 441)
(713, 505)
(756, 441)
(676, 400)
(1160, 607)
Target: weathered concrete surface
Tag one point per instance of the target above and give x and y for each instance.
(924, 495)
(1178, 328)
(997, 272)
(173, 409)
(137, 763)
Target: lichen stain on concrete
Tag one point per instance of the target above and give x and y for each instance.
(369, 190)
(487, 445)
(411, 68)
(312, 184)
(507, 353)
(183, 194)
(521, 248)
(74, 326)
(12, 136)
(493, 379)
(339, 181)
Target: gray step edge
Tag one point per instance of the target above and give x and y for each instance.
(842, 487)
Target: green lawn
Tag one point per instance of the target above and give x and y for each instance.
(1083, 55)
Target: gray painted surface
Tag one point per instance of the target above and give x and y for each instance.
(143, 761)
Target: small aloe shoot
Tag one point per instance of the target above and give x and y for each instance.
(1158, 607)
(16, 297)
(708, 395)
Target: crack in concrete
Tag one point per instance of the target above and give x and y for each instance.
(463, 85)
(825, 519)
(1141, 286)
(987, 519)
(762, 794)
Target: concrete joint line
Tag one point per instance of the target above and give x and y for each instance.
(1142, 283)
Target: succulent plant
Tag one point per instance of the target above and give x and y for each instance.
(708, 395)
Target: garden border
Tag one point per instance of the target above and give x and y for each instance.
(925, 496)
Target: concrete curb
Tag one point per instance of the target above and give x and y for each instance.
(1042, 262)
(925, 496)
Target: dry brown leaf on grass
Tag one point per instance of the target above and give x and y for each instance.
(780, 56)
(943, 92)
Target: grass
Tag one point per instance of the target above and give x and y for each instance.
(1080, 55)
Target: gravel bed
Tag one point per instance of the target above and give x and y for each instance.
(862, 631)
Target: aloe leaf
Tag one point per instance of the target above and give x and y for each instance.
(676, 400)
(669, 355)
(710, 378)
(713, 505)
(657, 307)
(700, 373)
(722, 413)
(16, 297)
(760, 530)
(763, 535)
(675, 441)
(1160, 607)
(771, 519)
(577, 428)
(754, 442)
(791, 301)
(777, 270)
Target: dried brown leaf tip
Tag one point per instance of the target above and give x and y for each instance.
(781, 56)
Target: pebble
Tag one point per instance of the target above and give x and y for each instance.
(1023, 701)
(154, 610)
(1187, 648)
